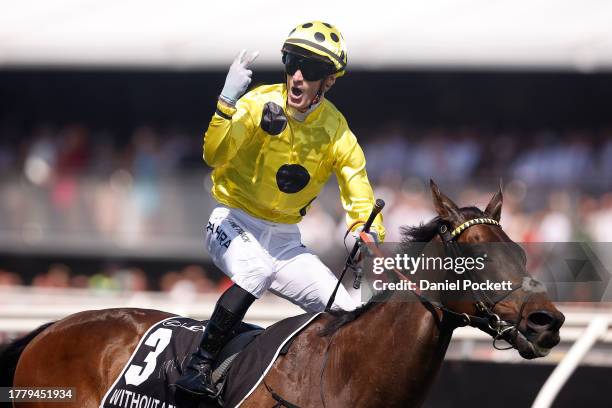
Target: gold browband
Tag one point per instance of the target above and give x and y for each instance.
(475, 221)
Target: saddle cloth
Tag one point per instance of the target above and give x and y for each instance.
(163, 353)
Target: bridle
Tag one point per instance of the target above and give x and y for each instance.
(488, 321)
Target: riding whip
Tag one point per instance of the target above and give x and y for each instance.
(378, 206)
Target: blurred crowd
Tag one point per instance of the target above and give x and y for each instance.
(72, 183)
(189, 279)
(564, 159)
(583, 158)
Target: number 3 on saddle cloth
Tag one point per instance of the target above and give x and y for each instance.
(163, 353)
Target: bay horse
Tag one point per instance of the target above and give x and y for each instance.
(384, 354)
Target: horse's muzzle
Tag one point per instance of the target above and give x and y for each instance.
(541, 333)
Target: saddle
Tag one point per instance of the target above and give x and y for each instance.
(163, 353)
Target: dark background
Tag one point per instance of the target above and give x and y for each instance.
(469, 384)
(119, 99)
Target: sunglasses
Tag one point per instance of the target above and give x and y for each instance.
(312, 70)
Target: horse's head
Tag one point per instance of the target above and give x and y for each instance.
(524, 315)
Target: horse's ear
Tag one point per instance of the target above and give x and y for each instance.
(494, 207)
(445, 207)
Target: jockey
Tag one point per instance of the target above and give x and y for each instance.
(271, 151)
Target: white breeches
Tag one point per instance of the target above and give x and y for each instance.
(259, 255)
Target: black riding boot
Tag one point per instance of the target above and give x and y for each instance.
(229, 311)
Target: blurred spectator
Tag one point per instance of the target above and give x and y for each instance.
(192, 279)
(598, 218)
(9, 278)
(58, 276)
(130, 279)
(555, 224)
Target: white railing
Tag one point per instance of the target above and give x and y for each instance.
(596, 330)
(24, 309)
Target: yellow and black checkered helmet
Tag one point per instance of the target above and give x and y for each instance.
(319, 39)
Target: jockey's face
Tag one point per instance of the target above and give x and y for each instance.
(301, 93)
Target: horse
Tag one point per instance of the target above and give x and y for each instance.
(383, 354)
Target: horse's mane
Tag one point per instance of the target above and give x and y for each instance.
(427, 232)
(421, 233)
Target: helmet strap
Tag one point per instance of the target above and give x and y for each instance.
(318, 96)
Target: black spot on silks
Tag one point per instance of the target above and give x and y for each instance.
(273, 119)
(320, 37)
(292, 178)
(334, 37)
(307, 25)
(327, 25)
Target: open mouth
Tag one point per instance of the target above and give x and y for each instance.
(296, 92)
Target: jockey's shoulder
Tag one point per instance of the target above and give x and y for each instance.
(255, 100)
(332, 110)
(265, 93)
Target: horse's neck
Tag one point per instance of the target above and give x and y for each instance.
(406, 344)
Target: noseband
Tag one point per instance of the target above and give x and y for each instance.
(489, 321)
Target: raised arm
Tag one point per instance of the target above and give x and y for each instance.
(231, 122)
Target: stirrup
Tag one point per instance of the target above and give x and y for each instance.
(199, 385)
(197, 379)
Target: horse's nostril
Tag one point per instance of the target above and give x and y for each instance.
(540, 320)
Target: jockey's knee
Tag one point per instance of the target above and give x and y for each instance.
(256, 279)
